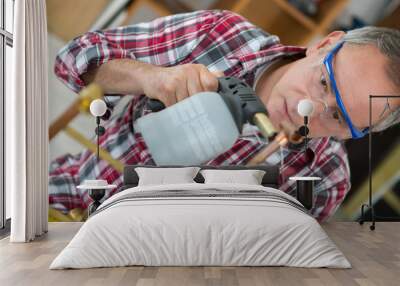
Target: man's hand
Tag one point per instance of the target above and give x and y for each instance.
(173, 84)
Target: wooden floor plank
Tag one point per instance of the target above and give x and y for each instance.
(374, 255)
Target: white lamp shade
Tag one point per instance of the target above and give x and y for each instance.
(98, 107)
(305, 107)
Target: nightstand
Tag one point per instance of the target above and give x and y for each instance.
(97, 190)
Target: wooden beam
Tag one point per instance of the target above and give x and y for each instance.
(104, 155)
(71, 18)
(392, 20)
(382, 174)
(81, 104)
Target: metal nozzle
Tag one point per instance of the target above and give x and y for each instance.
(264, 124)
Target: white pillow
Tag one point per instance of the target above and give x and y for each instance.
(248, 177)
(162, 176)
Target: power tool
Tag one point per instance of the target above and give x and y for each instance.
(204, 125)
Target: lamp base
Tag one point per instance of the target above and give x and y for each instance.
(96, 195)
(362, 218)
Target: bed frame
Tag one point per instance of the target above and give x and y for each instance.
(270, 178)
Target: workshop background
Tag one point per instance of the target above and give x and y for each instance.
(296, 22)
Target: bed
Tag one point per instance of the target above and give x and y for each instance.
(201, 224)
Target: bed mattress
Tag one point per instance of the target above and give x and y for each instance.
(201, 225)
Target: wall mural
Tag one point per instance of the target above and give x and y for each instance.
(79, 156)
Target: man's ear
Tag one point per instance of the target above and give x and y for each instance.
(327, 41)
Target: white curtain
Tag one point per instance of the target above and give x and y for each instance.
(26, 124)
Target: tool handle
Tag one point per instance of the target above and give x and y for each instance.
(155, 105)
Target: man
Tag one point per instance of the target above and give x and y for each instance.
(175, 57)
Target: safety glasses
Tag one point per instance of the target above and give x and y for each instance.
(355, 132)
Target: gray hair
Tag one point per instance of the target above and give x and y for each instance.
(388, 42)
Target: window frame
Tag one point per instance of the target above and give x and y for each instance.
(6, 39)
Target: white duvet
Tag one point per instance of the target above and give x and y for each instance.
(206, 230)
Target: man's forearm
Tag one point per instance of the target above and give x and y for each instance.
(167, 84)
(120, 76)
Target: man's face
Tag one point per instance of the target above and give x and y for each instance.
(359, 71)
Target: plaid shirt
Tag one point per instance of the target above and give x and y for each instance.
(220, 40)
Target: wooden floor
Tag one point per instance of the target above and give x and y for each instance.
(374, 255)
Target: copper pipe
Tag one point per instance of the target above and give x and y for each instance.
(288, 133)
(280, 140)
(291, 132)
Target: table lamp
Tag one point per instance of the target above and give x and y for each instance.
(305, 108)
(97, 188)
(305, 185)
(98, 108)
